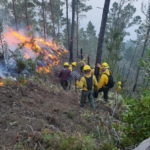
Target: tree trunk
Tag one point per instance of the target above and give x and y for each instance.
(77, 14)
(88, 60)
(14, 9)
(81, 53)
(44, 27)
(53, 20)
(131, 63)
(72, 32)
(101, 36)
(67, 22)
(138, 70)
(26, 9)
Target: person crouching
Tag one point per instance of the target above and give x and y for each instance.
(87, 83)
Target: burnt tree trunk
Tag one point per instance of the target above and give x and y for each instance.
(101, 36)
(88, 60)
(14, 10)
(131, 62)
(72, 32)
(68, 35)
(26, 10)
(138, 70)
(77, 14)
(53, 20)
(44, 24)
(81, 53)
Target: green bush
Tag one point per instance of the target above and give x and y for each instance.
(108, 146)
(138, 118)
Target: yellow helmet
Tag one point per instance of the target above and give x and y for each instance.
(83, 59)
(119, 83)
(86, 67)
(74, 63)
(66, 64)
(105, 65)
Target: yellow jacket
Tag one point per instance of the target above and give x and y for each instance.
(92, 71)
(82, 62)
(103, 79)
(70, 67)
(83, 85)
(118, 88)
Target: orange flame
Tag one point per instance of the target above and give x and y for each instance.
(49, 50)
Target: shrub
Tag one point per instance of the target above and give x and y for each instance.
(138, 118)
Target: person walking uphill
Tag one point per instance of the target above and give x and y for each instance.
(106, 80)
(72, 66)
(64, 75)
(82, 64)
(87, 83)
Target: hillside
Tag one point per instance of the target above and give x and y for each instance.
(26, 111)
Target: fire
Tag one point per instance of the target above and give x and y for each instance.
(1, 81)
(49, 51)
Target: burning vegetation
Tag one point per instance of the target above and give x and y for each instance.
(22, 47)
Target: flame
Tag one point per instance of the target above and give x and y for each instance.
(49, 50)
(1, 81)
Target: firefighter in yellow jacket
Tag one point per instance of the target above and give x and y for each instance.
(72, 66)
(82, 64)
(104, 80)
(87, 83)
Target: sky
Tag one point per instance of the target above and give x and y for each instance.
(95, 15)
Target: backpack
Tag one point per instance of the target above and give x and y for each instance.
(111, 82)
(89, 82)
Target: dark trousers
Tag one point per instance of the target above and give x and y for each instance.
(89, 95)
(64, 84)
(105, 91)
(81, 69)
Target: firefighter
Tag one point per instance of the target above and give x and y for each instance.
(72, 66)
(106, 80)
(118, 87)
(82, 63)
(87, 83)
(64, 75)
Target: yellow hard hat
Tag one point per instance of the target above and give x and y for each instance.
(86, 67)
(105, 65)
(66, 64)
(74, 63)
(83, 59)
(119, 83)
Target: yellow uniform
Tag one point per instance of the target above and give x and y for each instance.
(70, 67)
(104, 79)
(83, 85)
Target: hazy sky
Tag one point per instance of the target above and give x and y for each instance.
(95, 15)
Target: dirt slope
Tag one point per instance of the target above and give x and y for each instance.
(26, 110)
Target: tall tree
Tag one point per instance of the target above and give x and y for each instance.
(26, 10)
(44, 21)
(147, 14)
(72, 32)
(101, 36)
(14, 10)
(67, 22)
(80, 8)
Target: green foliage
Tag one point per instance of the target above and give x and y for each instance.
(145, 63)
(8, 82)
(108, 146)
(61, 142)
(138, 118)
(21, 65)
